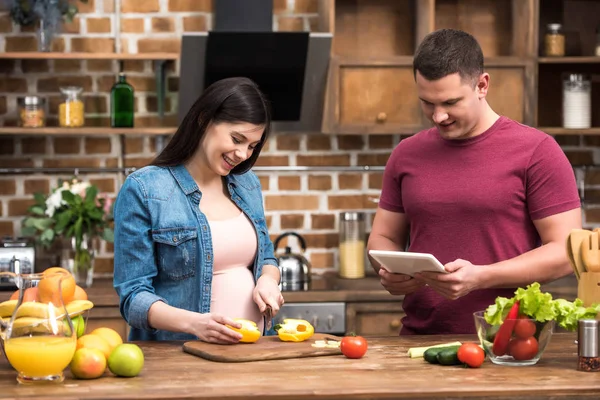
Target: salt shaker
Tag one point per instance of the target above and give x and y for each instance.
(587, 345)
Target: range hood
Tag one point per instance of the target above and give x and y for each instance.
(290, 67)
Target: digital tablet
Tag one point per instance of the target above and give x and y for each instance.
(402, 262)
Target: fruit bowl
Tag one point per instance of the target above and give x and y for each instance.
(527, 343)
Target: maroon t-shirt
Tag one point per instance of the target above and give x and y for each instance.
(474, 199)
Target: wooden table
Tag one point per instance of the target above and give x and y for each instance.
(385, 372)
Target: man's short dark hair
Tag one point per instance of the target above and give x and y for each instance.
(449, 51)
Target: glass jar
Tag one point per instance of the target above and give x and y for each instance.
(577, 101)
(70, 111)
(31, 112)
(554, 41)
(352, 245)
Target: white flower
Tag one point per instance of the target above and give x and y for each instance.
(79, 188)
(54, 201)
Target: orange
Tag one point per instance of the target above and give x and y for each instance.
(80, 294)
(30, 295)
(111, 336)
(48, 286)
(94, 342)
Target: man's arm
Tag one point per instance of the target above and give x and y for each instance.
(543, 264)
(389, 232)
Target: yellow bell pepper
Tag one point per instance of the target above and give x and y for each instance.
(249, 330)
(294, 330)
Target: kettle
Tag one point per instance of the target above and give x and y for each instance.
(294, 268)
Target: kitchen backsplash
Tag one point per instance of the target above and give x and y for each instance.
(307, 202)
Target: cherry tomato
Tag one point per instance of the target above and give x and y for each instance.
(524, 328)
(353, 346)
(524, 349)
(471, 354)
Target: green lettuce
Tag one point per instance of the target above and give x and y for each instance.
(540, 306)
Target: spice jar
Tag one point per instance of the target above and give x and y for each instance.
(554, 41)
(31, 112)
(577, 101)
(587, 345)
(70, 112)
(352, 245)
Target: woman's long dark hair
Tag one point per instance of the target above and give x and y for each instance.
(230, 100)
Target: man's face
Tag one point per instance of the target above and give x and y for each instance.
(454, 105)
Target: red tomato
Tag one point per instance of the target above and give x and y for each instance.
(524, 349)
(524, 328)
(353, 346)
(471, 354)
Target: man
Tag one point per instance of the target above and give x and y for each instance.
(492, 199)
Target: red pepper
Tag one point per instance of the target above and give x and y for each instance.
(505, 332)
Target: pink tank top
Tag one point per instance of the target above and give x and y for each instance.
(234, 250)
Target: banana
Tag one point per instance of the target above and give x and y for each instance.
(77, 307)
(37, 310)
(7, 308)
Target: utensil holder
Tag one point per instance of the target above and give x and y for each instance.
(588, 288)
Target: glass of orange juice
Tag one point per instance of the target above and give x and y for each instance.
(39, 339)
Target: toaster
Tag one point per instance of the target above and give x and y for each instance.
(16, 255)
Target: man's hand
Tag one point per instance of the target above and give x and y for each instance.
(463, 278)
(399, 284)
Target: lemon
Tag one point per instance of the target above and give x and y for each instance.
(126, 359)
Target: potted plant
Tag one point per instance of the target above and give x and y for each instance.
(77, 215)
(49, 13)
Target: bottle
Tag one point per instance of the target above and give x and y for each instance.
(121, 104)
(577, 101)
(554, 41)
(352, 245)
(71, 110)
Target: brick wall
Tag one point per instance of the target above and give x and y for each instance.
(306, 202)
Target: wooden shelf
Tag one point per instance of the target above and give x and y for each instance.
(565, 131)
(569, 60)
(88, 131)
(32, 55)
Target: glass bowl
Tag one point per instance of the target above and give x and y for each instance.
(527, 342)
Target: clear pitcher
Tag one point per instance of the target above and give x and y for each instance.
(38, 336)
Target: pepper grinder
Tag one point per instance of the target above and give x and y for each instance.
(587, 345)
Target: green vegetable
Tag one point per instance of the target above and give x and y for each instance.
(431, 355)
(540, 306)
(448, 357)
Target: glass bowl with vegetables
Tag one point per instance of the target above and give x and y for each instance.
(516, 331)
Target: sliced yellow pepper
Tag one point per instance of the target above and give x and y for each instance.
(294, 330)
(249, 330)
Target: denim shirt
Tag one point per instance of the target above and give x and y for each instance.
(163, 246)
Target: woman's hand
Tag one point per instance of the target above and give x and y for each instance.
(267, 293)
(211, 328)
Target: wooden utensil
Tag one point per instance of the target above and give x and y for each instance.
(576, 237)
(590, 253)
(267, 348)
(571, 258)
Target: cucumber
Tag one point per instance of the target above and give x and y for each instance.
(418, 352)
(432, 355)
(449, 356)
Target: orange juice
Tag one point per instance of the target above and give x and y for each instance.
(39, 356)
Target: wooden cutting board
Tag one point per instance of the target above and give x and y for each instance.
(267, 348)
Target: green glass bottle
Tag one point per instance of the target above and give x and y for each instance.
(121, 104)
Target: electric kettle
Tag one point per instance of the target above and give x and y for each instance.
(294, 268)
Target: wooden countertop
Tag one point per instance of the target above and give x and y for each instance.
(385, 372)
(326, 288)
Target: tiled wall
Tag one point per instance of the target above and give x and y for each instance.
(305, 202)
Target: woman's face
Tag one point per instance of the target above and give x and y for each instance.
(225, 145)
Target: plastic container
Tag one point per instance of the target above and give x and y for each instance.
(71, 110)
(352, 245)
(31, 112)
(577, 101)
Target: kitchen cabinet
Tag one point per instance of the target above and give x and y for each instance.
(374, 319)
(371, 86)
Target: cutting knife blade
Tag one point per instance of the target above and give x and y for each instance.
(269, 317)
